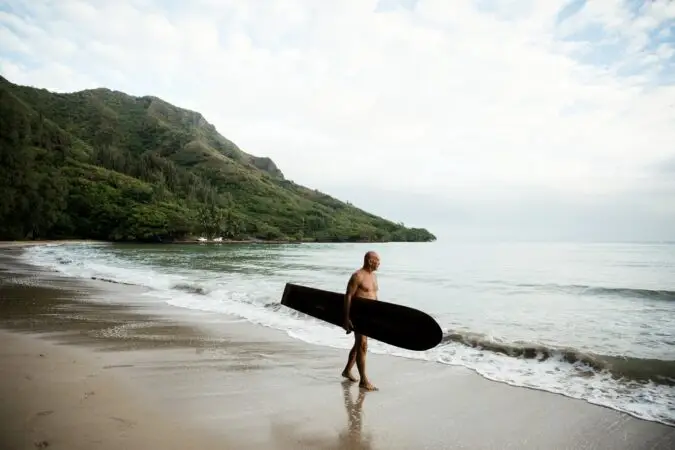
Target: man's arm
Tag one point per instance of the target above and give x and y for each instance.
(352, 287)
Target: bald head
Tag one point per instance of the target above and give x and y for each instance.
(371, 261)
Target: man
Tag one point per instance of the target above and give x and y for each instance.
(363, 284)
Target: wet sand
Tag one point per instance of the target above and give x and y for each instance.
(148, 376)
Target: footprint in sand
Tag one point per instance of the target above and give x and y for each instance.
(114, 366)
(124, 423)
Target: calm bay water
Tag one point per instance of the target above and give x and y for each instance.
(591, 321)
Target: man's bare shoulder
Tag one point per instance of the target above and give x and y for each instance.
(356, 276)
(355, 281)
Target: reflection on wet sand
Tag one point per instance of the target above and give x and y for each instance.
(354, 437)
(288, 435)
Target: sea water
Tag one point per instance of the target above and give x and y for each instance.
(590, 321)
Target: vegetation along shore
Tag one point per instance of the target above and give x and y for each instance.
(101, 164)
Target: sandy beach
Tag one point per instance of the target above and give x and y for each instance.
(80, 371)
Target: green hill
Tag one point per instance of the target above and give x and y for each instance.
(105, 165)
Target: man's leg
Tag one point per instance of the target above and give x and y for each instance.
(361, 348)
(351, 360)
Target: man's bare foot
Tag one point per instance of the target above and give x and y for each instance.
(349, 376)
(368, 386)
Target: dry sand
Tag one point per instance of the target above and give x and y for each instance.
(79, 372)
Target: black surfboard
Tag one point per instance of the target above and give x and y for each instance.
(390, 323)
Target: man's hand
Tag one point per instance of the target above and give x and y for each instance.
(347, 325)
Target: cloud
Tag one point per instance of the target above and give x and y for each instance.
(469, 102)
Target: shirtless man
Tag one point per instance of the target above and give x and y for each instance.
(362, 283)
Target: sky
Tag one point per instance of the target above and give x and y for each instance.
(486, 119)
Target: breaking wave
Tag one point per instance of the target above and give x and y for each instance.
(580, 289)
(619, 367)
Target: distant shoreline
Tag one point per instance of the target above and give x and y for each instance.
(27, 242)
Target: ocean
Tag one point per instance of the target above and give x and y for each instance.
(590, 321)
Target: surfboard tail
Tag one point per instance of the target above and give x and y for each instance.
(287, 291)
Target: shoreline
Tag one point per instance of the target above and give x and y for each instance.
(9, 243)
(230, 379)
(31, 243)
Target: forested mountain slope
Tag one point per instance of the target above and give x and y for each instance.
(105, 165)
